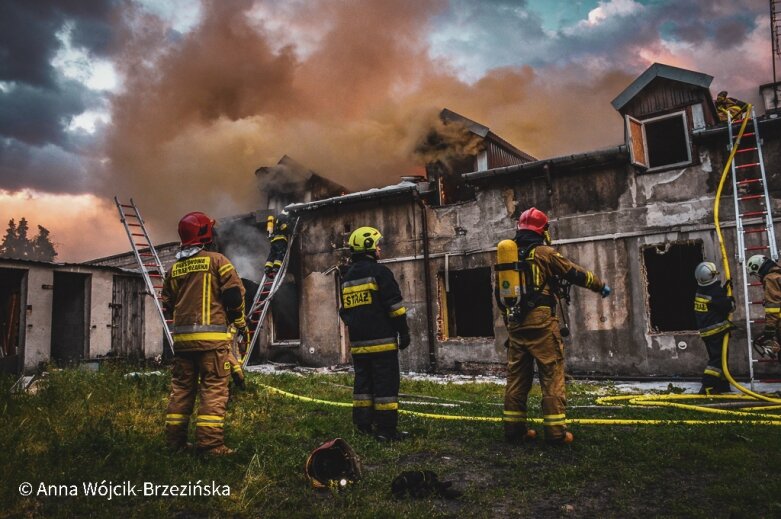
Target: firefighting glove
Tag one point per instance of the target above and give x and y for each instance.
(238, 377)
(404, 340)
(606, 290)
(727, 284)
(244, 340)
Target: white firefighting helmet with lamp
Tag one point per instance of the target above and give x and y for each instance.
(755, 263)
(706, 273)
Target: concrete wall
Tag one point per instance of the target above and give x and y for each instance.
(601, 218)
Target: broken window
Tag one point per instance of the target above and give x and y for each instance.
(659, 142)
(467, 303)
(669, 271)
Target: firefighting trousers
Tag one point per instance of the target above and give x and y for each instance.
(544, 346)
(376, 390)
(213, 368)
(276, 254)
(713, 377)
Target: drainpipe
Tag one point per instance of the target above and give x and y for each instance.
(432, 344)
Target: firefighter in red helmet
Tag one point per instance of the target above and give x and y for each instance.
(204, 296)
(534, 330)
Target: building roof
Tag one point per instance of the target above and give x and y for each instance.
(589, 158)
(664, 71)
(68, 266)
(360, 196)
(478, 129)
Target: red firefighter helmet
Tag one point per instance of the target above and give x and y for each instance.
(533, 220)
(196, 229)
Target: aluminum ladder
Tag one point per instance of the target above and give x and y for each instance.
(753, 218)
(265, 293)
(151, 267)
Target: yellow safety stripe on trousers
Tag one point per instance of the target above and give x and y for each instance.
(362, 403)
(207, 420)
(550, 420)
(589, 278)
(225, 269)
(360, 288)
(396, 313)
(772, 310)
(514, 416)
(176, 419)
(386, 406)
(357, 350)
(236, 368)
(715, 328)
(202, 336)
(278, 237)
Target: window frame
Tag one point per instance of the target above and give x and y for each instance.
(632, 123)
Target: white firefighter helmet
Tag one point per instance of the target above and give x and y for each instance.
(755, 263)
(706, 273)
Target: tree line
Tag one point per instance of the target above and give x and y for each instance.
(18, 245)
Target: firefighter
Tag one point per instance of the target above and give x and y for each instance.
(278, 233)
(203, 294)
(729, 106)
(534, 331)
(375, 316)
(712, 306)
(769, 273)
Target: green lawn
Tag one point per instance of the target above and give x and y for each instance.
(98, 426)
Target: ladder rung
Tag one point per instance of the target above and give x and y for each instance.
(158, 287)
(748, 134)
(757, 302)
(755, 284)
(753, 213)
(135, 225)
(748, 181)
(137, 234)
(142, 245)
(151, 275)
(126, 205)
(746, 150)
(760, 247)
(757, 321)
(761, 229)
(750, 197)
(749, 165)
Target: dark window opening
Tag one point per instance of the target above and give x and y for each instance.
(470, 303)
(671, 285)
(667, 141)
(10, 319)
(70, 318)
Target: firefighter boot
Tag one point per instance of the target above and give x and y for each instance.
(220, 450)
(561, 440)
(391, 436)
(517, 433)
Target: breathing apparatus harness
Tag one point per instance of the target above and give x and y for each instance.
(518, 293)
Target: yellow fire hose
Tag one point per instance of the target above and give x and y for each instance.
(752, 415)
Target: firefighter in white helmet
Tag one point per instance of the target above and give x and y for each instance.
(769, 273)
(712, 305)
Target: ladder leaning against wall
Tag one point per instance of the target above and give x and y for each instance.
(261, 303)
(146, 256)
(754, 221)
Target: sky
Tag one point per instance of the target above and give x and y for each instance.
(176, 103)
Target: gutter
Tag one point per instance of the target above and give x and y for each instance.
(371, 194)
(432, 345)
(578, 159)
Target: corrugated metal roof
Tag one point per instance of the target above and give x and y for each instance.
(370, 194)
(660, 70)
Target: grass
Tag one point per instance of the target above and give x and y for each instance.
(93, 426)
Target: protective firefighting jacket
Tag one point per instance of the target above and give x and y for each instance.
(771, 283)
(546, 267)
(712, 305)
(372, 306)
(204, 295)
(281, 229)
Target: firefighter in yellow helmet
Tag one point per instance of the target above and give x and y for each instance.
(278, 235)
(376, 319)
(534, 331)
(203, 294)
(729, 106)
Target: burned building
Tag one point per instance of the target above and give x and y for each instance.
(639, 213)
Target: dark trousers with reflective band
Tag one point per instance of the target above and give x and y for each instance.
(213, 368)
(713, 376)
(276, 254)
(544, 346)
(376, 390)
